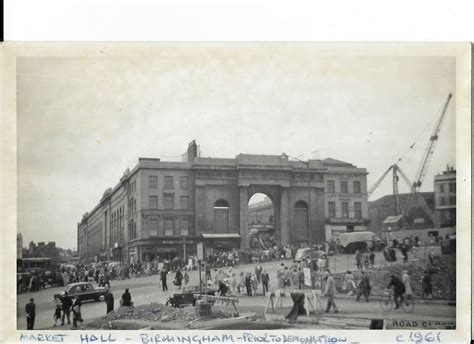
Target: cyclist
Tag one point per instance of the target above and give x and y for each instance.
(398, 289)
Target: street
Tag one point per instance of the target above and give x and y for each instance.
(145, 290)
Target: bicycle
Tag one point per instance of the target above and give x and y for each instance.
(386, 303)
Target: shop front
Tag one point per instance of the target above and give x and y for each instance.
(219, 242)
(165, 248)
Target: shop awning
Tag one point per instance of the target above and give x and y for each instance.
(220, 235)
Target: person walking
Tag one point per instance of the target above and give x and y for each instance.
(126, 299)
(254, 283)
(364, 287)
(186, 278)
(163, 277)
(30, 310)
(109, 301)
(57, 314)
(178, 279)
(294, 279)
(67, 303)
(407, 282)
(265, 280)
(358, 259)
(258, 271)
(330, 291)
(76, 311)
(248, 284)
(398, 290)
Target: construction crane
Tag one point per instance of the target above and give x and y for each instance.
(414, 186)
(422, 168)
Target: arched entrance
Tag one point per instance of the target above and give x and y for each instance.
(261, 222)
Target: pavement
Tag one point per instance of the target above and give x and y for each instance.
(145, 290)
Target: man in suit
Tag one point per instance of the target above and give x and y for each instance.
(330, 292)
(109, 301)
(76, 311)
(30, 310)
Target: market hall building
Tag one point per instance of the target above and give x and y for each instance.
(163, 208)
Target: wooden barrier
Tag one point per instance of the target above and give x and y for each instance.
(309, 294)
(222, 299)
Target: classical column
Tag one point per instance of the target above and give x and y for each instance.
(284, 217)
(244, 239)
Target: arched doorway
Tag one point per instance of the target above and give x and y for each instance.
(300, 230)
(261, 221)
(221, 216)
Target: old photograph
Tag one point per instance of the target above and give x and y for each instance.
(232, 186)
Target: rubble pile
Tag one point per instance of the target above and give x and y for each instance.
(152, 312)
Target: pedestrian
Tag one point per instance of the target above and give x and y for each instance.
(241, 284)
(254, 283)
(286, 278)
(364, 287)
(30, 310)
(248, 284)
(66, 301)
(330, 291)
(107, 279)
(426, 286)
(398, 289)
(186, 278)
(265, 281)
(294, 279)
(76, 311)
(404, 250)
(300, 279)
(57, 314)
(358, 259)
(109, 301)
(258, 271)
(372, 258)
(349, 283)
(178, 279)
(406, 281)
(163, 274)
(126, 299)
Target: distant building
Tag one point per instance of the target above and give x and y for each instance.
(163, 208)
(261, 213)
(384, 207)
(445, 197)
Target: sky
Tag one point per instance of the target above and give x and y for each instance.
(82, 121)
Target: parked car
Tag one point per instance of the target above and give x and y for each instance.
(85, 290)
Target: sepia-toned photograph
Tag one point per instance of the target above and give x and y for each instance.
(238, 186)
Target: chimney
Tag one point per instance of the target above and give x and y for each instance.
(191, 154)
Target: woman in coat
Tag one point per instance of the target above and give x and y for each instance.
(178, 279)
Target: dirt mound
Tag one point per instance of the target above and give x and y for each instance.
(152, 312)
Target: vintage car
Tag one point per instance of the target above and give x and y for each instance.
(85, 290)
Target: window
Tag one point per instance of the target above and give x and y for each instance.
(153, 202)
(153, 226)
(331, 186)
(452, 187)
(344, 186)
(153, 182)
(183, 227)
(356, 186)
(358, 210)
(183, 202)
(452, 200)
(183, 182)
(169, 182)
(441, 188)
(345, 209)
(169, 227)
(442, 201)
(169, 201)
(332, 209)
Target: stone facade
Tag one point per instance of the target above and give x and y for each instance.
(162, 208)
(445, 197)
